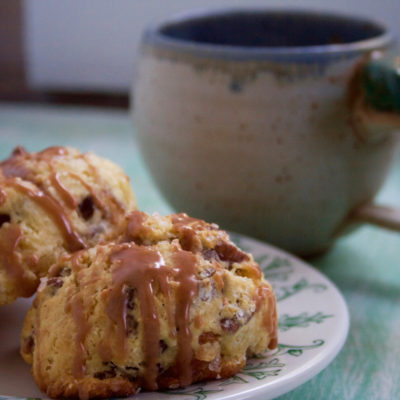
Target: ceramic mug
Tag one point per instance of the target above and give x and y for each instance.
(276, 124)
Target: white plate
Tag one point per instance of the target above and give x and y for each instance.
(313, 326)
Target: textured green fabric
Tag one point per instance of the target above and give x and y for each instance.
(364, 265)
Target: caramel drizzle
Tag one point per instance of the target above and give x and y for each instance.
(76, 307)
(186, 227)
(97, 200)
(36, 365)
(185, 265)
(142, 269)
(48, 153)
(19, 151)
(182, 220)
(3, 196)
(67, 197)
(11, 235)
(14, 165)
(112, 200)
(116, 311)
(136, 227)
(270, 319)
(55, 211)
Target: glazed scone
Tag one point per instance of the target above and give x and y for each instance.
(54, 202)
(176, 303)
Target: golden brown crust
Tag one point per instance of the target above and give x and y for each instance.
(119, 387)
(90, 388)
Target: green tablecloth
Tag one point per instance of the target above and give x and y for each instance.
(364, 265)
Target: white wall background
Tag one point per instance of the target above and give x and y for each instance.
(91, 44)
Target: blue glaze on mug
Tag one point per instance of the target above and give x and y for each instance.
(284, 36)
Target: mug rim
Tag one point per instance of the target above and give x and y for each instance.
(154, 37)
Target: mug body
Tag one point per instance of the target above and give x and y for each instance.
(245, 119)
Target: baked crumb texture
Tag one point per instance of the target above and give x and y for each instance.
(55, 202)
(172, 302)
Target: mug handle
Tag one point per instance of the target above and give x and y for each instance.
(381, 82)
(386, 217)
(376, 114)
(374, 97)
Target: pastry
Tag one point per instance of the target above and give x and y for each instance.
(54, 202)
(173, 302)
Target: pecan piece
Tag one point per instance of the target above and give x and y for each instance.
(230, 325)
(208, 337)
(229, 252)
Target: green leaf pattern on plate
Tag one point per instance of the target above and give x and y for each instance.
(283, 292)
(197, 393)
(271, 363)
(302, 320)
(277, 269)
(233, 379)
(296, 350)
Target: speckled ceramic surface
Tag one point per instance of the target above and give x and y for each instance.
(313, 326)
(262, 140)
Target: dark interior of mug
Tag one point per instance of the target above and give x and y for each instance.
(272, 29)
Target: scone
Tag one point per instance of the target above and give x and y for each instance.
(54, 202)
(176, 302)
